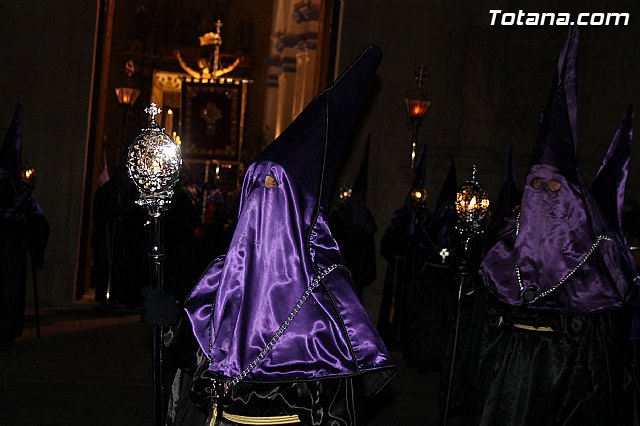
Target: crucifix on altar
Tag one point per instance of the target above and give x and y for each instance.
(213, 103)
(209, 68)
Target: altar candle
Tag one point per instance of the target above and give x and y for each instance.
(168, 122)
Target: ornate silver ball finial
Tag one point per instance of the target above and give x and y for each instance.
(153, 163)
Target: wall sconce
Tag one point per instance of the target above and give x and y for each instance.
(128, 94)
(417, 105)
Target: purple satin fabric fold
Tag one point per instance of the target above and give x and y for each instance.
(554, 236)
(269, 265)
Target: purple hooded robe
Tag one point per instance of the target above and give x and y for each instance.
(565, 252)
(280, 307)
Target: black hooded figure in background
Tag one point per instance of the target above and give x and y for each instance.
(353, 227)
(400, 248)
(558, 273)
(23, 230)
(433, 292)
(119, 242)
(473, 302)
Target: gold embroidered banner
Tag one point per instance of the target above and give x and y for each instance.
(213, 119)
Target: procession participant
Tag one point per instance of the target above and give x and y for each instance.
(285, 337)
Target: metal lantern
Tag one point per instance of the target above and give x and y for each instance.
(472, 205)
(128, 94)
(154, 162)
(345, 193)
(28, 176)
(417, 105)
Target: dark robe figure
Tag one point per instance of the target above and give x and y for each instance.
(354, 228)
(217, 223)
(473, 301)
(182, 268)
(630, 324)
(195, 240)
(434, 290)
(559, 274)
(119, 242)
(24, 231)
(401, 249)
(282, 335)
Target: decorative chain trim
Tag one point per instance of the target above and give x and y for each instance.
(566, 277)
(296, 309)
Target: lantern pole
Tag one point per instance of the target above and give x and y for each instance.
(417, 104)
(472, 205)
(153, 163)
(28, 176)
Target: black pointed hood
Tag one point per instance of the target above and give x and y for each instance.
(309, 149)
(449, 187)
(11, 187)
(510, 195)
(442, 237)
(359, 188)
(556, 145)
(11, 152)
(354, 215)
(608, 188)
(286, 309)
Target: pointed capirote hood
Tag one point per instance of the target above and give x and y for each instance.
(309, 149)
(404, 217)
(11, 187)
(449, 187)
(281, 306)
(559, 253)
(442, 237)
(557, 141)
(359, 188)
(608, 188)
(354, 215)
(506, 204)
(11, 151)
(510, 195)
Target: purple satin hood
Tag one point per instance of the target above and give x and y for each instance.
(562, 252)
(552, 238)
(281, 245)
